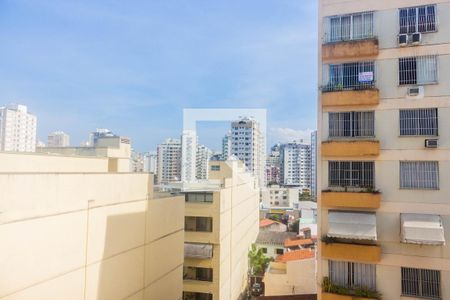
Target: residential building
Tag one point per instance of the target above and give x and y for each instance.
(17, 129)
(189, 141)
(98, 133)
(271, 225)
(272, 242)
(150, 160)
(168, 161)
(203, 157)
(136, 161)
(72, 227)
(273, 165)
(292, 273)
(248, 145)
(226, 146)
(296, 165)
(384, 147)
(58, 139)
(313, 176)
(221, 224)
(275, 196)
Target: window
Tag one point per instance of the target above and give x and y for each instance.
(279, 251)
(351, 173)
(199, 197)
(349, 274)
(264, 250)
(195, 273)
(196, 296)
(418, 19)
(351, 124)
(419, 175)
(350, 76)
(419, 122)
(421, 283)
(200, 224)
(417, 70)
(349, 27)
(215, 168)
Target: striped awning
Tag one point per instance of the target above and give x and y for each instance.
(422, 229)
(352, 225)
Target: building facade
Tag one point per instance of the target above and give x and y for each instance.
(384, 148)
(58, 139)
(17, 129)
(273, 165)
(248, 145)
(150, 159)
(314, 164)
(203, 157)
(226, 146)
(168, 161)
(296, 165)
(189, 142)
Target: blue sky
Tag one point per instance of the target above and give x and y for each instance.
(132, 66)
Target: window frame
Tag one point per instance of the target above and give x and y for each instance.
(418, 186)
(352, 122)
(418, 282)
(416, 8)
(328, 33)
(419, 62)
(417, 120)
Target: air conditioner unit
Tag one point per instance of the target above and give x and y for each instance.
(414, 91)
(431, 143)
(416, 38)
(402, 40)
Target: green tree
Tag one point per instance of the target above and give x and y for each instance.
(258, 261)
(294, 226)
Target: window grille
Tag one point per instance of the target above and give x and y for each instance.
(419, 175)
(418, 19)
(199, 197)
(349, 274)
(422, 121)
(351, 173)
(418, 70)
(421, 283)
(349, 27)
(351, 124)
(349, 76)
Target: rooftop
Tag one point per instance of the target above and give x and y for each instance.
(296, 255)
(295, 242)
(274, 238)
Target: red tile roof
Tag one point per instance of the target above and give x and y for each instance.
(266, 222)
(297, 242)
(296, 255)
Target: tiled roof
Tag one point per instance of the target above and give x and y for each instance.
(297, 242)
(266, 222)
(274, 238)
(296, 255)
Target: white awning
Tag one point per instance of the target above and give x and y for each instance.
(422, 229)
(201, 251)
(352, 225)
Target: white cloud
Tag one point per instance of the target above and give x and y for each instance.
(284, 135)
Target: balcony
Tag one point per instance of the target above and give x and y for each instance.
(337, 96)
(198, 251)
(351, 252)
(330, 296)
(350, 49)
(351, 148)
(365, 200)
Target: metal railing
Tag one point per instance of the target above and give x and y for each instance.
(349, 76)
(421, 283)
(419, 175)
(351, 124)
(349, 27)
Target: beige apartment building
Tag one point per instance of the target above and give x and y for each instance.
(221, 223)
(82, 227)
(384, 130)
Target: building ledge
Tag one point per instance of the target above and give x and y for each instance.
(370, 96)
(351, 252)
(350, 49)
(351, 148)
(330, 296)
(351, 200)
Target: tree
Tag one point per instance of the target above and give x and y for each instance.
(258, 261)
(294, 226)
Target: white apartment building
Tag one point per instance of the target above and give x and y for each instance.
(189, 141)
(150, 159)
(314, 163)
(277, 196)
(17, 129)
(97, 134)
(248, 145)
(58, 139)
(203, 157)
(384, 148)
(168, 161)
(296, 165)
(226, 146)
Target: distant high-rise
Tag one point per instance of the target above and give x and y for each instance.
(169, 161)
(17, 129)
(58, 139)
(150, 159)
(248, 144)
(203, 156)
(188, 155)
(296, 165)
(273, 165)
(314, 163)
(99, 133)
(226, 146)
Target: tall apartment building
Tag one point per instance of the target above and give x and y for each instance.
(296, 165)
(314, 164)
(169, 161)
(384, 132)
(203, 157)
(189, 142)
(226, 146)
(74, 227)
(221, 223)
(17, 129)
(150, 159)
(273, 167)
(248, 144)
(58, 139)
(97, 134)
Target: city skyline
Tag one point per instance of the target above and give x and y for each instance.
(93, 66)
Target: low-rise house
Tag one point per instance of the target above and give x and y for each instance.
(272, 243)
(292, 273)
(271, 225)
